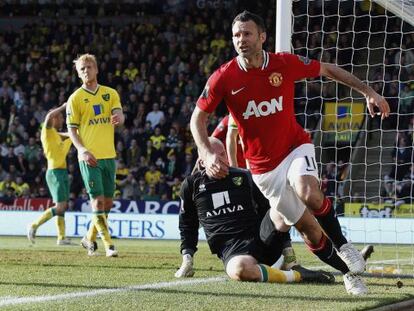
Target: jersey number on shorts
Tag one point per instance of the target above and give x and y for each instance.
(310, 164)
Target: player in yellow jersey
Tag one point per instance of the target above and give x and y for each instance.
(55, 146)
(92, 112)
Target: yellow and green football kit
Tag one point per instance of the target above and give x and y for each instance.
(90, 112)
(55, 149)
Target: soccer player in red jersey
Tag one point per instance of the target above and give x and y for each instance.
(258, 89)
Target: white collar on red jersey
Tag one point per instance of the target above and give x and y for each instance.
(242, 63)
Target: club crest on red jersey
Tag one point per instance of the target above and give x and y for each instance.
(275, 79)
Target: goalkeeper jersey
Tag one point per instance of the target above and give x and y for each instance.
(229, 208)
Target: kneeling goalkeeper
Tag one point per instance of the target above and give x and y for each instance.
(238, 228)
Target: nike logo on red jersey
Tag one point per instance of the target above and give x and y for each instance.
(237, 91)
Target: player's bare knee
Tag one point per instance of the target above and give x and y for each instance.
(278, 221)
(238, 272)
(108, 202)
(238, 269)
(61, 208)
(98, 204)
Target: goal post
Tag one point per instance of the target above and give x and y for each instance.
(358, 166)
(283, 25)
(401, 8)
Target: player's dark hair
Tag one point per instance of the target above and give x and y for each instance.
(246, 16)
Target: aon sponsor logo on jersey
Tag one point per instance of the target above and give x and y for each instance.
(263, 108)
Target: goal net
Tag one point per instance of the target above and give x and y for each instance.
(366, 164)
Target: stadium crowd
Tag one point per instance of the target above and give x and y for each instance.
(158, 62)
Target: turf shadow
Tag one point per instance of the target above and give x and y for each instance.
(244, 295)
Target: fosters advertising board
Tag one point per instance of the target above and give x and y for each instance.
(342, 121)
(122, 225)
(378, 210)
(165, 226)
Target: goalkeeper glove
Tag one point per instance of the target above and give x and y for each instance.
(186, 269)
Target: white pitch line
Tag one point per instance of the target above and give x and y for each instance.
(34, 299)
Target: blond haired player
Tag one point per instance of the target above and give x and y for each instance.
(56, 147)
(93, 111)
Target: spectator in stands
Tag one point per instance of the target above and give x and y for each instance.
(22, 164)
(133, 154)
(32, 171)
(121, 171)
(131, 71)
(33, 127)
(8, 196)
(43, 192)
(152, 176)
(161, 153)
(16, 126)
(9, 159)
(6, 183)
(172, 167)
(164, 126)
(151, 195)
(157, 138)
(142, 188)
(407, 99)
(32, 151)
(184, 117)
(155, 115)
(21, 186)
(163, 188)
(172, 138)
(149, 152)
(402, 157)
(6, 89)
(129, 187)
(175, 188)
(330, 175)
(187, 166)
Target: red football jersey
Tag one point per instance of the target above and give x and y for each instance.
(220, 132)
(261, 103)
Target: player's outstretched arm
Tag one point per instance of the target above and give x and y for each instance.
(53, 113)
(373, 99)
(216, 165)
(231, 146)
(188, 224)
(64, 135)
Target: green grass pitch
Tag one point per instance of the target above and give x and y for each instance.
(50, 277)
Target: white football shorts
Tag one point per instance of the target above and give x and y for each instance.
(278, 185)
